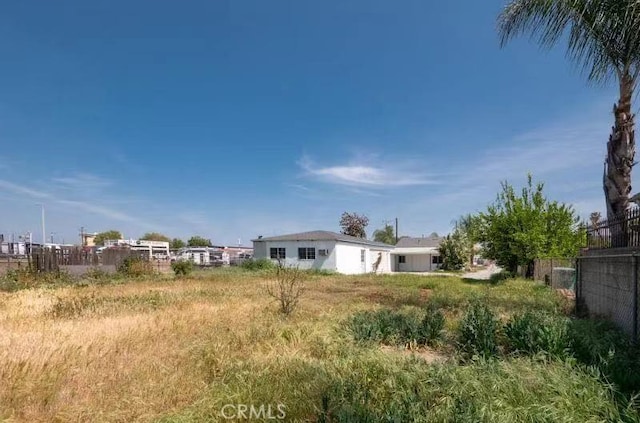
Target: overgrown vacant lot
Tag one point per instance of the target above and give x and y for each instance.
(179, 350)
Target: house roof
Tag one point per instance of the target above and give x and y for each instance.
(410, 251)
(324, 236)
(428, 242)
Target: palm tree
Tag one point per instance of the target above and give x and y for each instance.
(603, 37)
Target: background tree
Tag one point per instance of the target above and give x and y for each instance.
(198, 241)
(604, 37)
(386, 235)
(354, 224)
(107, 235)
(454, 250)
(517, 229)
(177, 243)
(471, 226)
(155, 236)
(594, 220)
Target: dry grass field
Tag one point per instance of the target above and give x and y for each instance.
(165, 349)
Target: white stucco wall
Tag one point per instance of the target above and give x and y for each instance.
(385, 260)
(262, 249)
(416, 263)
(349, 259)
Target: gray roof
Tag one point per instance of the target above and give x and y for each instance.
(323, 236)
(408, 242)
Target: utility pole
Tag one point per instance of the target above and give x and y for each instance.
(44, 233)
(82, 236)
(396, 230)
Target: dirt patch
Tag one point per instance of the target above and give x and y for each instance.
(425, 293)
(427, 354)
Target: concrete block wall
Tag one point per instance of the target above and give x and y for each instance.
(606, 288)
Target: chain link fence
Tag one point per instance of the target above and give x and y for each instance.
(607, 286)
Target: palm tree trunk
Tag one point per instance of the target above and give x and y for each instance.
(620, 155)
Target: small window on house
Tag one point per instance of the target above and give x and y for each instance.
(362, 255)
(436, 259)
(402, 259)
(306, 253)
(278, 253)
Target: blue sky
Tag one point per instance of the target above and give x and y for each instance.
(232, 119)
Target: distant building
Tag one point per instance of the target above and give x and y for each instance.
(417, 254)
(326, 250)
(155, 249)
(204, 256)
(88, 239)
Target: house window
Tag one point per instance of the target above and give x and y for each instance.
(278, 253)
(436, 259)
(306, 253)
(362, 255)
(402, 259)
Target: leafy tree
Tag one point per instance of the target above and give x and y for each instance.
(472, 226)
(454, 250)
(177, 243)
(107, 235)
(198, 241)
(155, 236)
(386, 235)
(520, 228)
(354, 224)
(603, 38)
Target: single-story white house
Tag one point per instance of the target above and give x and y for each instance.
(417, 254)
(326, 250)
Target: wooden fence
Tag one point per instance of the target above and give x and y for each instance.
(543, 268)
(50, 259)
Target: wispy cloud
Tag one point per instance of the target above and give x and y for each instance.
(366, 175)
(78, 205)
(82, 181)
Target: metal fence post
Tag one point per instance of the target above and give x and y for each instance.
(635, 298)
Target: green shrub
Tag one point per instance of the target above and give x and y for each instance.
(478, 330)
(259, 264)
(535, 332)
(431, 326)
(182, 267)
(26, 278)
(396, 328)
(384, 326)
(135, 267)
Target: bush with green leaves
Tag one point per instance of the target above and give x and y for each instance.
(534, 332)
(182, 267)
(454, 251)
(258, 264)
(478, 330)
(135, 267)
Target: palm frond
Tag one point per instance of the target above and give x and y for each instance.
(603, 36)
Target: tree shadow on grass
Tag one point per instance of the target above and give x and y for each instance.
(478, 282)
